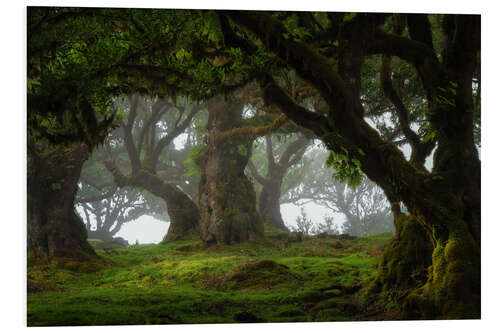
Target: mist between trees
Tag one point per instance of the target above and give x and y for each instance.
(291, 170)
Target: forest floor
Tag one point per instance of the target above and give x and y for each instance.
(273, 280)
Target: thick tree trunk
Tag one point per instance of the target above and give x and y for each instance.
(54, 228)
(454, 284)
(405, 263)
(182, 211)
(227, 202)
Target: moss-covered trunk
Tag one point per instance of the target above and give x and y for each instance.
(227, 202)
(453, 288)
(54, 228)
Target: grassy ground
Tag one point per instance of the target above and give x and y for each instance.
(181, 282)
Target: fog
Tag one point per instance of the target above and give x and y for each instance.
(147, 229)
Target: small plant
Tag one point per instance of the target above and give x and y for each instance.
(328, 226)
(304, 225)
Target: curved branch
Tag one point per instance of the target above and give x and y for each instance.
(310, 65)
(419, 150)
(419, 28)
(166, 140)
(412, 51)
(274, 94)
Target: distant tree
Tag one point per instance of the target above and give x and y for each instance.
(104, 218)
(366, 209)
(365, 206)
(103, 206)
(278, 163)
(151, 126)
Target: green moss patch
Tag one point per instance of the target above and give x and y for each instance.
(182, 282)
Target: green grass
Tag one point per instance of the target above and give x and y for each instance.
(182, 282)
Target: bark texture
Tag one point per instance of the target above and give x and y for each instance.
(54, 228)
(227, 202)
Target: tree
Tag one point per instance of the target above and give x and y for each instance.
(445, 200)
(366, 209)
(364, 206)
(66, 86)
(148, 140)
(111, 213)
(228, 212)
(270, 193)
(66, 118)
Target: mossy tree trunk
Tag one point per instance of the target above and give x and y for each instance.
(446, 200)
(405, 264)
(227, 202)
(54, 228)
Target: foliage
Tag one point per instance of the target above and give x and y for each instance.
(79, 58)
(429, 71)
(193, 168)
(347, 170)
